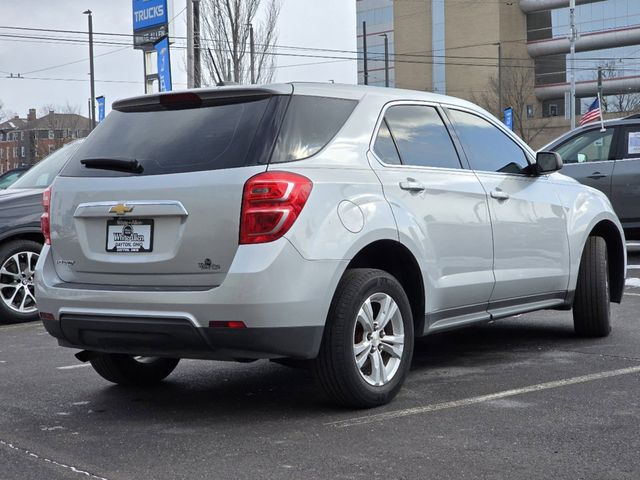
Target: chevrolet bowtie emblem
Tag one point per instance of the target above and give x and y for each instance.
(120, 209)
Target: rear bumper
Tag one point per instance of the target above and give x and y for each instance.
(282, 299)
(177, 338)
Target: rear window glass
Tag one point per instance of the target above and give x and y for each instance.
(310, 124)
(174, 141)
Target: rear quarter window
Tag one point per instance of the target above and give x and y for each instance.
(309, 125)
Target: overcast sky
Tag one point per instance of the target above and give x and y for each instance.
(327, 24)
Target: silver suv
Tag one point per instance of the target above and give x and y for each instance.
(309, 221)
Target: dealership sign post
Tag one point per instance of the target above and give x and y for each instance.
(151, 35)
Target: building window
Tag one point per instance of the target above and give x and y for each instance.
(15, 152)
(553, 110)
(51, 148)
(529, 111)
(22, 150)
(51, 135)
(1, 153)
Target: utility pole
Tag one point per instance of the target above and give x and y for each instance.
(189, 43)
(252, 53)
(572, 39)
(91, 71)
(197, 76)
(500, 101)
(364, 51)
(386, 59)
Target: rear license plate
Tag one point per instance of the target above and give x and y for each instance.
(131, 235)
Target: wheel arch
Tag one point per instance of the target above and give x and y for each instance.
(397, 260)
(616, 254)
(27, 234)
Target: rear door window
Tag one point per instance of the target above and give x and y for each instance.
(421, 137)
(632, 142)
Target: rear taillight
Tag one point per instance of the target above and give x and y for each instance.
(45, 222)
(271, 203)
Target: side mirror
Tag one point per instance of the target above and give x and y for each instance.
(548, 162)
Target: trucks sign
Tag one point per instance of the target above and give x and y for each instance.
(149, 13)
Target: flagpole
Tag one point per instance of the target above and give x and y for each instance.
(602, 129)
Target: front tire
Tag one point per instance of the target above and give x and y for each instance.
(368, 341)
(592, 304)
(132, 371)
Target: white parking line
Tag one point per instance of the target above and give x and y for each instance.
(381, 417)
(71, 367)
(32, 455)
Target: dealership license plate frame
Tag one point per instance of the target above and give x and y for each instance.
(120, 223)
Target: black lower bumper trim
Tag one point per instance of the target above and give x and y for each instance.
(176, 337)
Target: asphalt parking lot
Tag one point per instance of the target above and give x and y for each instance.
(519, 398)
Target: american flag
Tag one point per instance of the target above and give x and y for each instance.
(592, 114)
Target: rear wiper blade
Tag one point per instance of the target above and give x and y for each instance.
(116, 164)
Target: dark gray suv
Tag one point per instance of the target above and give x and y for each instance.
(608, 160)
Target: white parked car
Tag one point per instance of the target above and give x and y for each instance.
(312, 221)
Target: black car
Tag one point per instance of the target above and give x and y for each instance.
(20, 236)
(608, 160)
(10, 176)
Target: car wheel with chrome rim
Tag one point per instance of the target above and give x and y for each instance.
(368, 342)
(18, 260)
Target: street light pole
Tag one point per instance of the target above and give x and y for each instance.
(197, 69)
(386, 59)
(364, 52)
(572, 39)
(91, 71)
(500, 101)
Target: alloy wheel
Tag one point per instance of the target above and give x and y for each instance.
(378, 339)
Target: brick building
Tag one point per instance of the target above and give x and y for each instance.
(25, 141)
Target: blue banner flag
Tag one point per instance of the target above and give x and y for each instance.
(508, 118)
(164, 65)
(100, 101)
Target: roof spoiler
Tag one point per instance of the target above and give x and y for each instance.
(199, 97)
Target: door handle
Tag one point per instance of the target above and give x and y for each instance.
(596, 175)
(500, 195)
(412, 186)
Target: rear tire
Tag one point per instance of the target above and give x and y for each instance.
(366, 354)
(18, 260)
(132, 371)
(592, 304)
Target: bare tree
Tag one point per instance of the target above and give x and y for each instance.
(517, 93)
(626, 102)
(3, 113)
(225, 31)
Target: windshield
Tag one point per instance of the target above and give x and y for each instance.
(42, 174)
